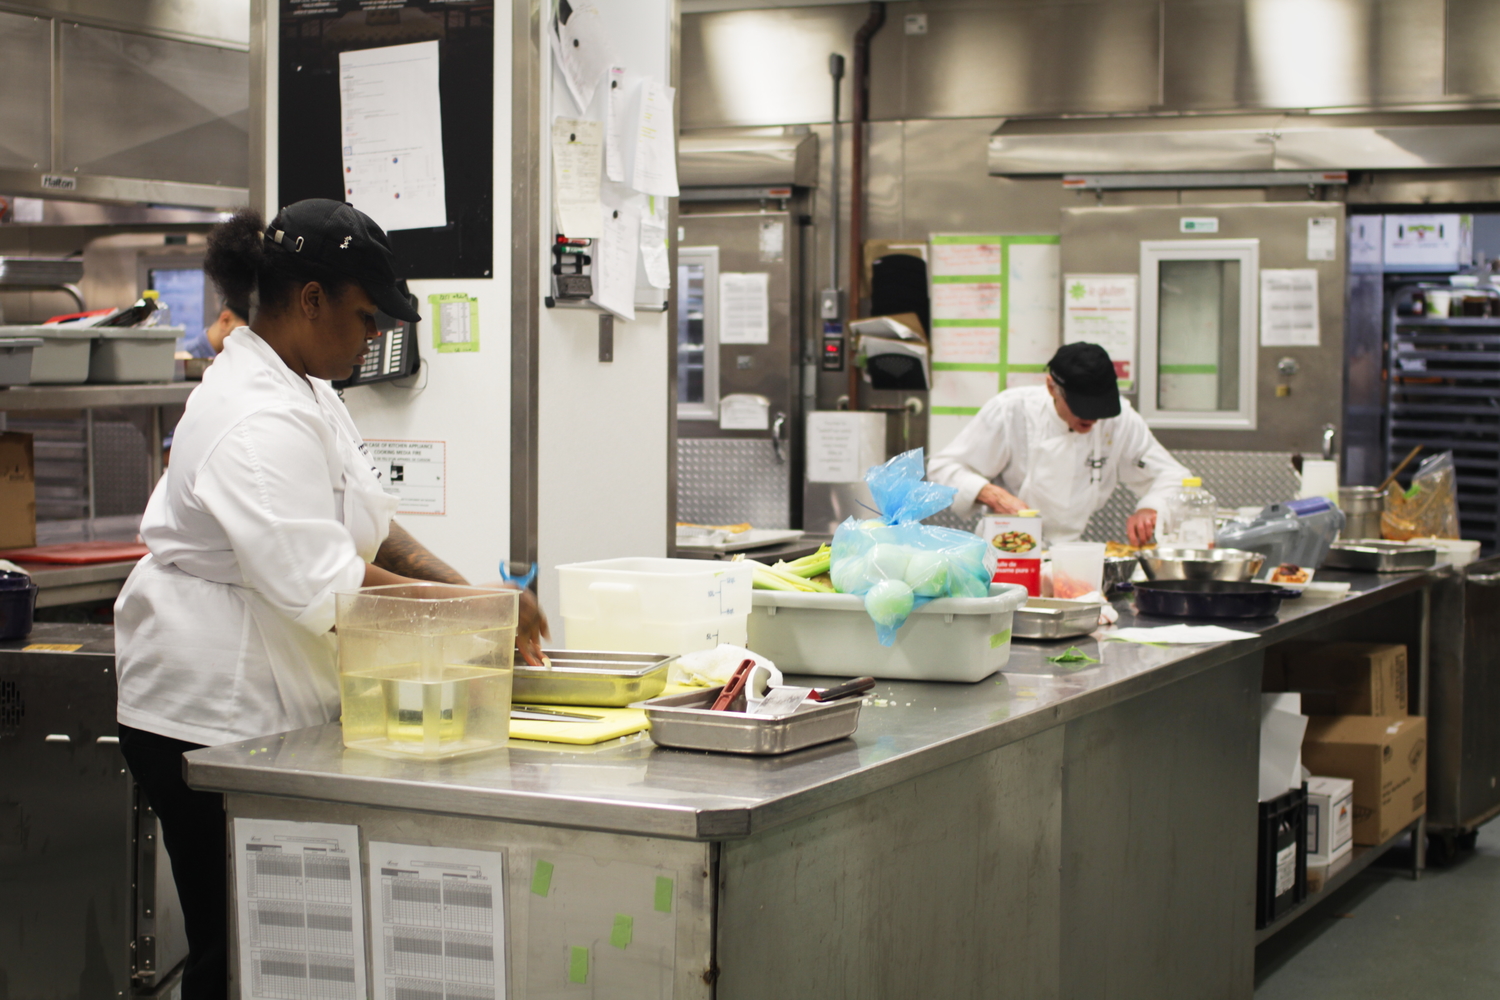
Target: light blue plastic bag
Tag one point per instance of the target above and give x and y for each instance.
(896, 563)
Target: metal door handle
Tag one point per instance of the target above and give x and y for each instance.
(1484, 579)
(58, 738)
(777, 426)
(1329, 436)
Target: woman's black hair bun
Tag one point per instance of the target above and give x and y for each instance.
(236, 255)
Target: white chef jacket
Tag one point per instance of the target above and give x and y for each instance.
(270, 506)
(1018, 440)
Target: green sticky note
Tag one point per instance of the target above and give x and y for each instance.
(624, 929)
(578, 964)
(999, 639)
(541, 878)
(663, 894)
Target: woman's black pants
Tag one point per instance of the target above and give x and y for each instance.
(192, 826)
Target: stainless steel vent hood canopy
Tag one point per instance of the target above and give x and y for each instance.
(747, 161)
(1268, 142)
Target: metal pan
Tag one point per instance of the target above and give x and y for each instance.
(1210, 599)
(1164, 563)
(587, 677)
(1375, 556)
(1054, 618)
(683, 721)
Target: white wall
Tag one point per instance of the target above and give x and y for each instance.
(462, 399)
(602, 426)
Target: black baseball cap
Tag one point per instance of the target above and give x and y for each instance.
(1087, 379)
(340, 236)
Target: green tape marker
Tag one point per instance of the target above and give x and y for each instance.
(541, 878)
(578, 965)
(623, 931)
(999, 639)
(663, 894)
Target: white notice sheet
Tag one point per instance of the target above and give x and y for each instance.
(744, 307)
(655, 170)
(654, 258)
(576, 148)
(437, 917)
(415, 472)
(615, 258)
(1289, 307)
(623, 85)
(301, 910)
(582, 49)
(393, 135)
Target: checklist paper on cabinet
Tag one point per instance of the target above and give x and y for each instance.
(300, 910)
(437, 922)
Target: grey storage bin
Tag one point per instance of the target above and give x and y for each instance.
(63, 358)
(15, 359)
(134, 354)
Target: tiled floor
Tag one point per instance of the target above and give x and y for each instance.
(1383, 935)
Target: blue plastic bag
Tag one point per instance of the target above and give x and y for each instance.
(896, 563)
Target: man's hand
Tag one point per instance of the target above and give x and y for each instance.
(1000, 501)
(1142, 526)
(531, 629)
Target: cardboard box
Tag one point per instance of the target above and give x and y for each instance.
(1385, 757)
(17, 491)
(1015, 549)
(1341, 678)
(1330, 819)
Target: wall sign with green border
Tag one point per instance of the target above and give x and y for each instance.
(455, 322)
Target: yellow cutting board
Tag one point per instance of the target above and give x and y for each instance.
(616, 722)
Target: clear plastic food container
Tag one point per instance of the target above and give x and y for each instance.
(425, 670)
(649, 605)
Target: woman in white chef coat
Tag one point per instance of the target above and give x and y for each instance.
(271, 506)
(1060, 449)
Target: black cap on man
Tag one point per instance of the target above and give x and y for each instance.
(1087, 379)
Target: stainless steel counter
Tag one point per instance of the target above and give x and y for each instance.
(630, 786)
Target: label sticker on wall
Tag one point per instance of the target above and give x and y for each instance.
(1207, 224)
(455, 322)
(416, 472)
(1322, 238)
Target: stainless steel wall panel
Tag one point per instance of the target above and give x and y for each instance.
(1165, 145)
(1009, 58)
(1407, 49)
(1425, 187)
(885, 181)
(26, 109)
(135, 106)
(1472, 29)
(946, 188)
(732, 480)
(764, 67)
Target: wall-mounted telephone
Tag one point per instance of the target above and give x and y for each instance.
(391, 355)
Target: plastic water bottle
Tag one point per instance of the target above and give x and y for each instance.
(1191, 516)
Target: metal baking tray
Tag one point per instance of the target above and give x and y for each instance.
(587, 677)
(1379, 557)
(683, 721)
(1054, 618)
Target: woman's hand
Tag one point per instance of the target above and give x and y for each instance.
(998, 500)
(531, 629)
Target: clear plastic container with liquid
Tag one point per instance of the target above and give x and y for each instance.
(425, 669)
(1190, 519)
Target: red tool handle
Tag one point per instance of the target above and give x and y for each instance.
(736, 685)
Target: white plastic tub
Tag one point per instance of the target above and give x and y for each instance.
(949, 639)
(134, 354)
(62, 358)
(16, 354)
(648, 605)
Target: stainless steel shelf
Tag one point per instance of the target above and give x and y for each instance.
(1360, 859)
(86, 397)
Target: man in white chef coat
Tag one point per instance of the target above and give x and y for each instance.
(1060, 449)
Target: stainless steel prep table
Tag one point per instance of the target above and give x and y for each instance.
(1046, 832)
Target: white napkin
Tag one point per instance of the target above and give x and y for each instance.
(1179, 635)
(711, 667)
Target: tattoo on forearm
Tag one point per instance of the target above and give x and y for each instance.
(405, 556)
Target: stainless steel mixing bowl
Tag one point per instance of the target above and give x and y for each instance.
(1164, 563)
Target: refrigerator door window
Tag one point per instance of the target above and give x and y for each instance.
(697, 290)
(1199, 329)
